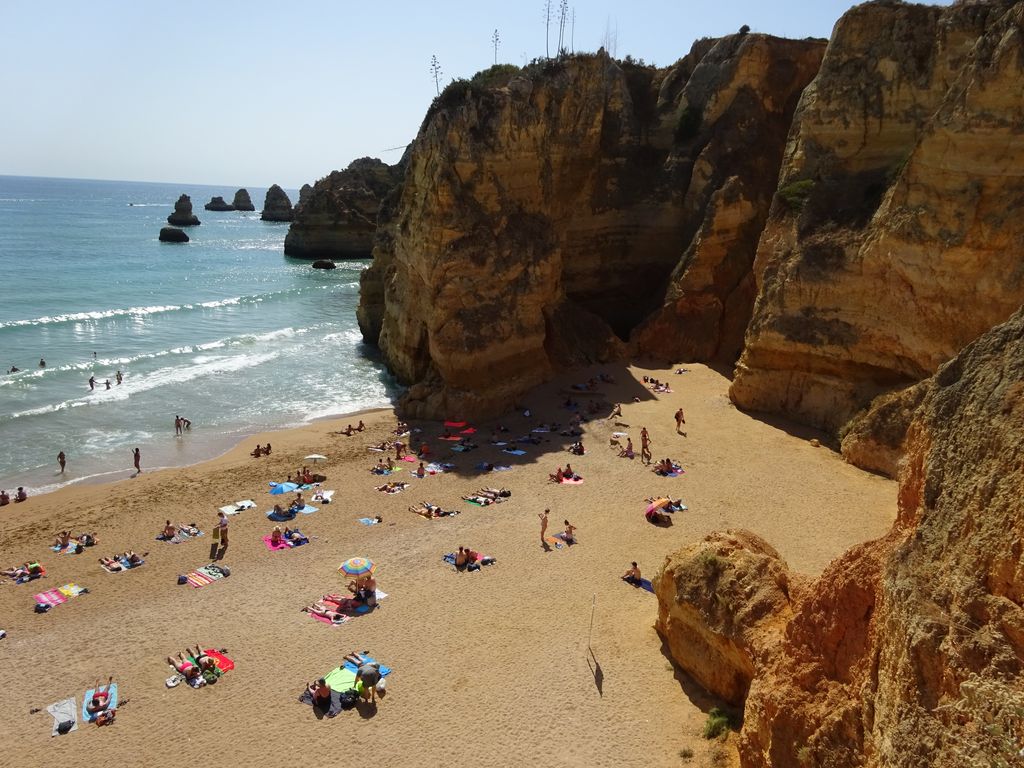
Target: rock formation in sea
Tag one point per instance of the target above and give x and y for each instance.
(906, 651)
(242, 201)
(890, 244)
(544, 211)
(338, 219)
(324, 264)
(304, 192)
(276, 206)
(173, 235)
(183, 216)
(218, 204)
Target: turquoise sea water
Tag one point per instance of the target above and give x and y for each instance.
(223, 330)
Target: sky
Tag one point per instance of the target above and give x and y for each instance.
(255, 93)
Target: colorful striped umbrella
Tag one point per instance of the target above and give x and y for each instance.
(357, 566)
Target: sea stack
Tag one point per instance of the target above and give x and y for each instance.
(277, 206)
(337, 219)
(304, 194)
(242, 201)
(173, 235)
(218, 204)
(183, 216)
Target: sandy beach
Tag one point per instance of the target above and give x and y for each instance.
(490, 667)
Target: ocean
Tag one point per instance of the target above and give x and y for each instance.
(225, 331)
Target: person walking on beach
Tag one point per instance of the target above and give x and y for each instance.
(138, 460)
(222, 529)
(92, 381)
(680, 420)
(543, 526)
(645, 446)
(62, 460)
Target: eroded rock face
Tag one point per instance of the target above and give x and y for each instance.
(722, 606)
(276, 206)
(890, 244)
(218, 204)
(183, 216)
(541, 215)
(242, 201)
(338, 217)
(304, 192)
(908, 651)
(741, 95)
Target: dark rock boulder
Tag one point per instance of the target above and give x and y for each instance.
(277, 206)
(183, 216)
(242, 201)
(173, 235)
(324, 264)
(218, 204)
(304, 194)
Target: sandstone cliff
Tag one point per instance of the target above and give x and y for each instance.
(338, 218)
(890, 243)
(276, 205)
(543, 211)
(907, 651)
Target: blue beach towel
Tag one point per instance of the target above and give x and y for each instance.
(86, 716)
(368, 520)
(384, 671)
(515, 451)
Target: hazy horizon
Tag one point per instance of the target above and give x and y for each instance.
(238, 96)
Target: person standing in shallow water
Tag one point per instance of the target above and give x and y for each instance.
(119, 377)
(62, 460)
(177, 425)
(92, 382)
(138, 460)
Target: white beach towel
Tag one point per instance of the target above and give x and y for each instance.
(238, 506)
(64, 710)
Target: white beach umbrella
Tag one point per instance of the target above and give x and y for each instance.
(315, 457)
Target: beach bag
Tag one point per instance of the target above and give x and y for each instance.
(182, 579)
(348, 698)
(65, 727)
(225, 570)
(42, 607)
(209, 676)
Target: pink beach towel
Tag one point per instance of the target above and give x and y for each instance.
(274, 547)
(455, 423)
(410, 458)
(51, 597)
(197, 579)
(574, 481)
(468, 431)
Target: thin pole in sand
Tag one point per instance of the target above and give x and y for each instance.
(593, 606)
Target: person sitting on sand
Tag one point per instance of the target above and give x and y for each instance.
(320, 693)
(632, 575)
(87, 539)
(257, 451)
(169, 532)
(266, 450)
(5, 499)
(278, 512)
(577, 448)
(420, 471)
(569, 534)
(62, 539)
(299, 502)
(347, 431)
(360, 427)
(276, 536)
(557, 475)
(21, 495)
(461, 558)
(627, 452)
(424, 452)
(569, 474)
